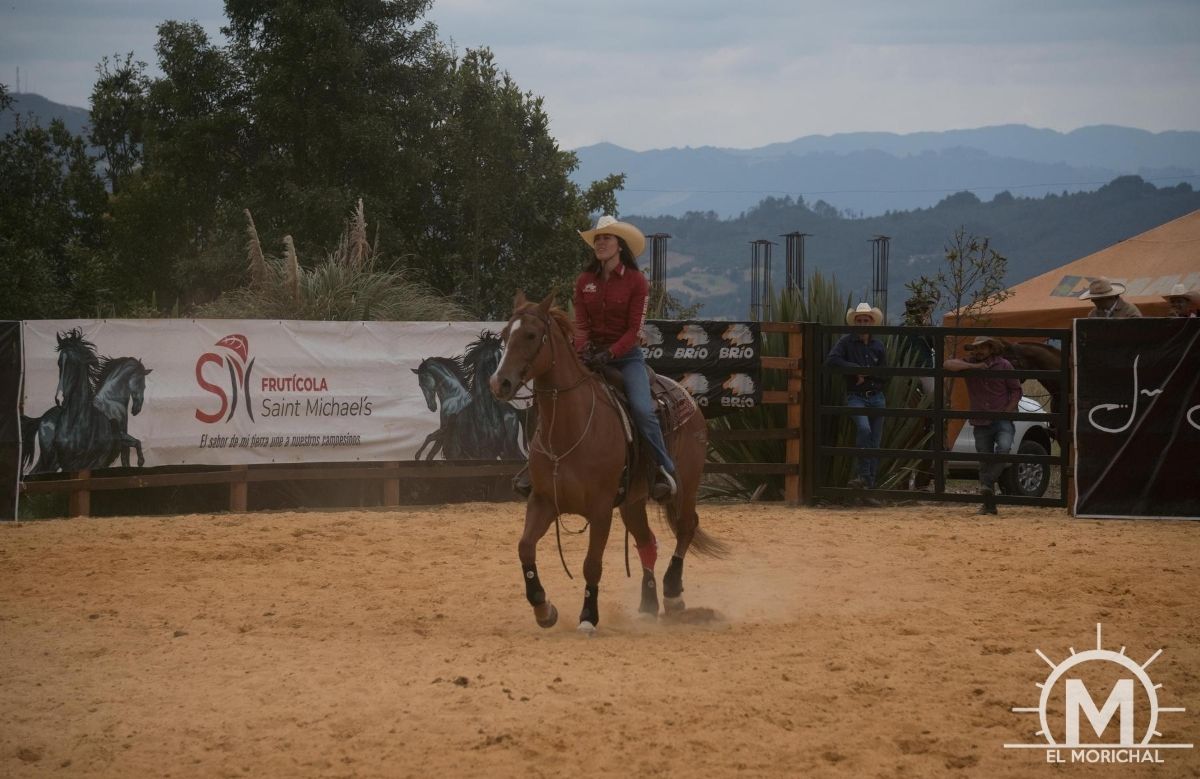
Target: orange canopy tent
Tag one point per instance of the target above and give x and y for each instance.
(1148, 264)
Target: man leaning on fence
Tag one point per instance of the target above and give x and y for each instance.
(860, 350)
(991, 435)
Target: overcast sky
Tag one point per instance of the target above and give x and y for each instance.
(658, 73)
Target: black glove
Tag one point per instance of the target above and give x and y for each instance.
(597, 360)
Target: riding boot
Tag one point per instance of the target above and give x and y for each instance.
(989, 500)
(664, 486)
(522, 484)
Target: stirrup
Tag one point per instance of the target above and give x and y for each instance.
(664, 485)
(522, 484)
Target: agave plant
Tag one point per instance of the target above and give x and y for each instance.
(349, 284)
(823, 302)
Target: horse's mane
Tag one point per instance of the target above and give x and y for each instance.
(74, 341)
(453, 364)
(110, 365)
(564, 323)
(477, 349)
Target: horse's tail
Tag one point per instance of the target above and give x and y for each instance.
(702, 542)
(29, 432)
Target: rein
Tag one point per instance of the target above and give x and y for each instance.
(541, 440)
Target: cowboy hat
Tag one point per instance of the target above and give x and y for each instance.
(864, 308)
(607, 225)
(980, 340)
(1103, 288)
(1180, 291)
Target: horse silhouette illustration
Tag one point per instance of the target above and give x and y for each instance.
(693, 335)
(88, 427)
(473, 425)
(738, 335)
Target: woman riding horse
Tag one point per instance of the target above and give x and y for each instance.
(610, 309)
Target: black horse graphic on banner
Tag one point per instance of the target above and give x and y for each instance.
(473, 424)
(88, 427)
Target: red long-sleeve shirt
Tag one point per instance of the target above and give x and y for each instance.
(610, 314)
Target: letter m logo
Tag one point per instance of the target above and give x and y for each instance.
(1078, 698)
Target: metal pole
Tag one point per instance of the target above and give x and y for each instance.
(880, 251)
(658, 267)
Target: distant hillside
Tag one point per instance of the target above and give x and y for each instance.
(708, 258)
(26, 103)
(872, 173)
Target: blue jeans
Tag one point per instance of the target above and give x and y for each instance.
(868, 433)
(637, 389)
(996, 438)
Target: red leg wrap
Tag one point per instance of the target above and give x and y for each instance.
(649, 553)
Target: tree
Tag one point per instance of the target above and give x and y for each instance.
(51, 204)
(118, 115)
(970, 285)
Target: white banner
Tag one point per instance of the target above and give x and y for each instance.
(225, 392)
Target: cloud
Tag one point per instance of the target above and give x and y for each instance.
(710, 72)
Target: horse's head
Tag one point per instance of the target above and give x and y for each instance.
(137, 387)
(529, 349)
(428, 384)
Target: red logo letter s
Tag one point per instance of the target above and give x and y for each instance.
(214, 389)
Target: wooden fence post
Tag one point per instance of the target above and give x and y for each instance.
(238, 488)
(391, 488)
(80, 502)
(792, 487)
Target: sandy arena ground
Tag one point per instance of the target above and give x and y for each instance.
(882, 642)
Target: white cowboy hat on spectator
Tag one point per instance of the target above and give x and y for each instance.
(607, 225)
(864, 308)
(980, 340)
(1180, 291)
(1103, 288)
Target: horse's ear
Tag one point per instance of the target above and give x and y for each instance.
(147, 371)
(519, 299)
(414, 370)
(547, 301)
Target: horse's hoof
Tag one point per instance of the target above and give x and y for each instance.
(673, 605)
(550, 620)
(587, 628)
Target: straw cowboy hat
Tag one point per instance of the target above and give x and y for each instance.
(864, 308)
(1180, 291)
(609, 226)
(980, 340)
(1103, 288)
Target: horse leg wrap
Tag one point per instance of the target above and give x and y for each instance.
(649, 553)
(591, 610)
(533, 586)
(673, 580)
(649, 603)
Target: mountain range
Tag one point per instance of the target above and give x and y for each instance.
(869, 174)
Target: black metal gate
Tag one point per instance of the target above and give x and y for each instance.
(823, 412)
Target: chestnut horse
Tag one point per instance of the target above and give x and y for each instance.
(576, 458)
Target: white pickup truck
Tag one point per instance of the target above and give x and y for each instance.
(1026, 479)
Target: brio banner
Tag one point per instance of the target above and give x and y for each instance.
(720, 363)
(1137, 417)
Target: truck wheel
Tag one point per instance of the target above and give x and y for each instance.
(1027, 479)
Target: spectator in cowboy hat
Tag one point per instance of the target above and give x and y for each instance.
(1183, 302)
(1106, 297)
(992, 436)
(861, 350)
